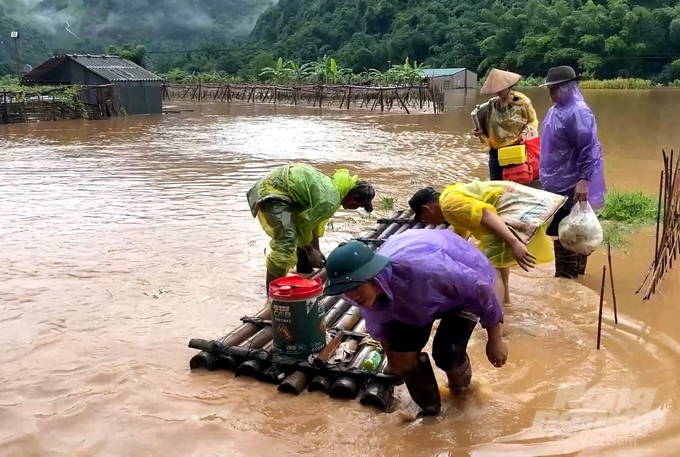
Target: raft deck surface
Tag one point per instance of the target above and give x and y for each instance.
(247, 350)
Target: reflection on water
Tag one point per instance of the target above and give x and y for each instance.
(122, 240)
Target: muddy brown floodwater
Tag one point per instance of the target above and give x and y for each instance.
(121, 240)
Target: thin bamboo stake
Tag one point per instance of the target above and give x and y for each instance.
(611, 280)
(599, 319)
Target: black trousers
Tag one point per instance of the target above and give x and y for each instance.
(567, 264)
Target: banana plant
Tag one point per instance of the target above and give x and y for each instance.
(279, 74)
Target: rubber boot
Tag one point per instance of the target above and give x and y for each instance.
(566, 262)
(460, 379)
(268, 279)
(303, 268)
(583, 262)
(422, 385)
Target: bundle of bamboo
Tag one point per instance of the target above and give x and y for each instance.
(248, 349)
(667, 230)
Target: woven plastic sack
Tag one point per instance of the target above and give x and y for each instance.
(580, 231)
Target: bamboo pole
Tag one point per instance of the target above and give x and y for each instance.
(346, 386)
(378, 394)
(611, 280)
(320, 360)
(599, 319)
(247, 330)
(322, 382)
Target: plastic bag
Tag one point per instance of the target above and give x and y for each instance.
(580, 231)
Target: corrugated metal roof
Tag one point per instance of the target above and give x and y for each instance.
(434, 72)
(113, 68)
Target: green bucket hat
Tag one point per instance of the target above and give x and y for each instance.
(350, 265)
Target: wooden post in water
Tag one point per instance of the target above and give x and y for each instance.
(599, 319)
(611, 280)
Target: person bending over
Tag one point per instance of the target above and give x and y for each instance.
(416, 278)
(293, 204)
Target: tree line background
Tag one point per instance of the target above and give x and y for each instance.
(603, 39)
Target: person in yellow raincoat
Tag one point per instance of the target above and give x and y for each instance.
(509, 220)
(293, 204)
(511, 119)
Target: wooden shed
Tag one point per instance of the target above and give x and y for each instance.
(140, 90)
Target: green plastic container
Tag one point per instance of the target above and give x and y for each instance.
(298, 325)
(373, 360)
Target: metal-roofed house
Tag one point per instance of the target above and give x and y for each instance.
(451, 78)
(140, 91)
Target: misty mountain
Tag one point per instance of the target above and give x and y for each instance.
(55, 26)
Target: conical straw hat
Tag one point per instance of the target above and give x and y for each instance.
(499, 80)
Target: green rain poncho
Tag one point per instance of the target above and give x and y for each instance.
(293, 204)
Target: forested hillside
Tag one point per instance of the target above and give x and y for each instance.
(604, 38)
(52, 26)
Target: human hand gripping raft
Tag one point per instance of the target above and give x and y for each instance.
(418, 277)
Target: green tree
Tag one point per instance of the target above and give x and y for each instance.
(136, 54)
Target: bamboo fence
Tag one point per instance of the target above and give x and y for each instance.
(96, 102)
(668, 228)
(384, 98)
(247, 350)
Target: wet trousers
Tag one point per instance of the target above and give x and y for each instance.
(276, 219)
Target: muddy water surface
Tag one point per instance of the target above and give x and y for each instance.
(121, 240)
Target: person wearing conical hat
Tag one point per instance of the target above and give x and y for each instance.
(511, 118)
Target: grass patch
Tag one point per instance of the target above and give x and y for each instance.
(624, 212)
(633, 207)
(387, 203)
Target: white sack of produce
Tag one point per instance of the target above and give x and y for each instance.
(580, 231)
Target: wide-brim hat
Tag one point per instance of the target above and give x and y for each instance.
(499, 80)
(560, 75)
(350, 265)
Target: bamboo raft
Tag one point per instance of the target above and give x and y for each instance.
(247, 350)
(422, 97)
(667, 239)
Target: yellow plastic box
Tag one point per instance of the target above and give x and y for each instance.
(512, 155)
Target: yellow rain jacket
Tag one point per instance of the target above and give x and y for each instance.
(293, 204)
(463, 205)
(505, 123)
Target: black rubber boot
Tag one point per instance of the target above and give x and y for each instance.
(303, 267)
(422, 385)
(582, 263)
(462, 379)
(269, 278)
(566, 262)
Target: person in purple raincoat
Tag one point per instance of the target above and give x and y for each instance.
(571, 159)
(418, 277)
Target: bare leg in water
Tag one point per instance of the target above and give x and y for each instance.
(504, 296)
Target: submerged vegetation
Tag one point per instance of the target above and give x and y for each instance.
(624, 213)
(387, 203)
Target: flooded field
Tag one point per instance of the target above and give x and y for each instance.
(121, 240)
